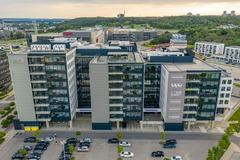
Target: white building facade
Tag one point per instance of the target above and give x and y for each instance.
(232, 54)
(210, 49)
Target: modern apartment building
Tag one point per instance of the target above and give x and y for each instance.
(210, 49)
(178, 41)
(5, 78)
(188, 93)
(232, 54)
(44, 82)
(114, 84)
(131, 35)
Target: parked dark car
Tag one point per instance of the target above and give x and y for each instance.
(174, 141)
(113, 140)
(40, 147)
(17, 156)
(33, 156)
(27, 147)
(169, 145)
(158, 154)
(71, 140)
(38, 151)
(30, 140)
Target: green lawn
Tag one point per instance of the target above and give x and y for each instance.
(237, 85)
(236, 116)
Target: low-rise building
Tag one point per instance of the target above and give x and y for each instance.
(210, 49)
(232, 54)
(178, 41)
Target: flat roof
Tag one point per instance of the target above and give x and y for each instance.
(128, 57)
(197, 65)
(237, 47)
(210, 42)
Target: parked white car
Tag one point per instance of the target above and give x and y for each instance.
(124, 144)
(87, 140)
(126, 154)
(83, 149)
(176, 158)
(49, 139)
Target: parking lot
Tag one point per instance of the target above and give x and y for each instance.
(188, 149)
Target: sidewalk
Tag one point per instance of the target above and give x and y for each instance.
(9, 135)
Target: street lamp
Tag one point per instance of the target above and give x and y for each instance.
(63, 143)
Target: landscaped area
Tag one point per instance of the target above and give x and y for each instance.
(236, 115)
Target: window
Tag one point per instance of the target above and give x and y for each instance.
(229, 81)
(228, 88)
(222, 95)
(224, 82)
(221, 102)
(227, 95)
(226, 101)
(223, 89)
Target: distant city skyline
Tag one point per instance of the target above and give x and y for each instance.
(110, 8)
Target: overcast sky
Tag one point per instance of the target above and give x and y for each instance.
(110, 8)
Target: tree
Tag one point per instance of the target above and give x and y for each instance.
(23, 151)
(162, 137)
(78, 133)
(36, 134)
(119, 149)
(119, 135)
(71, 149)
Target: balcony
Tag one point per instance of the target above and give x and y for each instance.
(115, 81)
(43, 119)
(191, 104)
(189, 119)
(115, 73)
(116, 112)
(41, 105)
(116, 105)
(40, 97)
(190, 112)
(43, 112)
(39, 89)
(39, 81)
(115, 89)
(38, 73)
(115, 97)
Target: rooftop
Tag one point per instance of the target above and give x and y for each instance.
(197, 65)
(210, 43)
(236, 47)
(119, 57)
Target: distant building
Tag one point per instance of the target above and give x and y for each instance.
(225, 14)
(209, 49)
(233, 13)
(189, 14)
(91, 35)
(5, 78)
(178, 41)
(232, 54)
(132, 35)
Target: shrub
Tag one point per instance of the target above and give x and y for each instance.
(12, 104)
(119, 135)
(15, 112)
(10, 117)
(23, 151)
(7, 108)
(1, 140)
(71, 149)
(5, 123)
(119, 149)
(2, 112)
(2, 134)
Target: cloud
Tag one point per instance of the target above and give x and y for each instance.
(92, 8)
